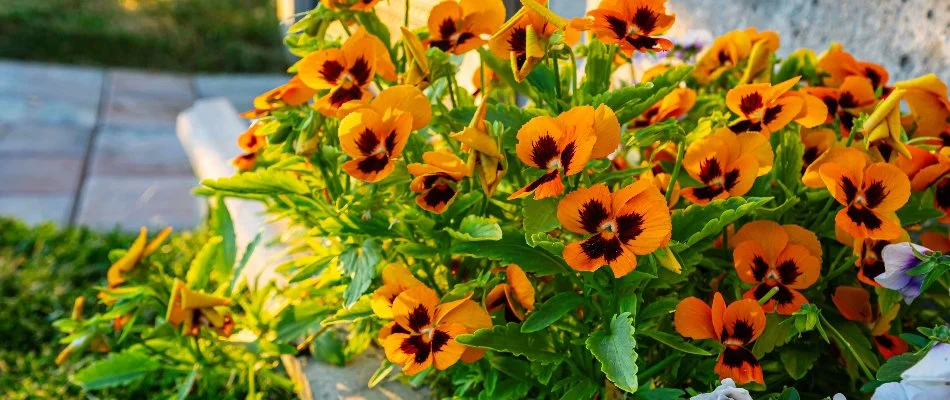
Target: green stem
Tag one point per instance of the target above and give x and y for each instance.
(680, 152)
(768, 296)
(557, 81)
(847, 344)
(573, 72)
(405, 19)
(448, 82)
(655, 368)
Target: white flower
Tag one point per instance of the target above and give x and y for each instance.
(726, 391)
(928, 379)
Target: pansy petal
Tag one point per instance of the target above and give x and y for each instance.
(888, 189)
(854, 303)
(584, 210)
(414, 309)
(693, 319)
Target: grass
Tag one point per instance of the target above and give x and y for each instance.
(42, 271)
(173, 35)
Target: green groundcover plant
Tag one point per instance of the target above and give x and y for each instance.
(723, 221)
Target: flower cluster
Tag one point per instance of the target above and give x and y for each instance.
(473, 216)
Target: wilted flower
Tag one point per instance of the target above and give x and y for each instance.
(192, 309)
(516, 295)
(523, 39)
(292, 93)
(898, 259)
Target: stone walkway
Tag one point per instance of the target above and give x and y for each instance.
(97, 147)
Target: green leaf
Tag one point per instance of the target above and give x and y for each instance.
(788, 158)
(223, 225)
(658, 394)
(416, 250)
(245, 258)
(508, 338)
(631, 101)
(895, 366)
(513, 249)
(119, 369)
(597, 69)
(359, 263)
(539, 215)
(661, 132)
(789, 394)
(616, 351)
(259, 182)
(797, 361)
(657, 308)
(918, 209)
(551, 310)
(778, 331)
(361, 310)
(199, 273)
(189, 383)
(476, 229)
(299, 320)
(675, 342)
(696, 222)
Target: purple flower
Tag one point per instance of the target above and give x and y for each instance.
(898, 259)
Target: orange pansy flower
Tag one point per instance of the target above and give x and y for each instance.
(918, 161)
(424, 331)
(936, 241)
(632, 221)
(938, 176)
(839, 65)
(516, 296)
(817, 142)
(192, 309)
(870, 195)
(346, 72)
(523, 40)
(292, 93)
(376, 134)
(926, 97)
(812, 178)
(854, 303)
(870, 262)
(244, 162)
(457, 27)
(730, 49)
(726, 164)
(396, 279)
(564, 145)
(854, 96)
(766, 108)
(435, 180)
(633, 24)
(674, 105)
(735, 326)
(771, 255)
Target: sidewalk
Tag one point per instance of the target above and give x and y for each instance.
(97, 147)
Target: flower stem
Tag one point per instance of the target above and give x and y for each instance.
(448, 82)
(768, 296)
(405, 20)
(557, 81)
(680, 152)
(847, 344)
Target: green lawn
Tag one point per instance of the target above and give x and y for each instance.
(174, 35)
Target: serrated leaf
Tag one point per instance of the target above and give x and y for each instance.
(551, 310)
(119, 369)
(895, 366)
(797, 361)
(476, 229)
(631, 101)
(361, 310)
(299, 320)
(199, 272)
(513, 249)
(675, 342)
(787, 167)
(697, 222)
(616, 351)
(259, 182)
(359, 263)
(508, 338)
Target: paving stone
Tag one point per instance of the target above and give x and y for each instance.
(34, 209)
(143, 112)
(138, 151)
(29, 109)
(133, 201)
(150, 85)
(37, 174)
(240, 89)
(80, 85)
(45, 138)
(329, 382)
